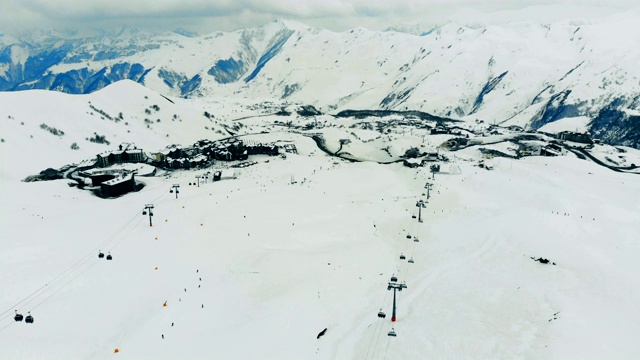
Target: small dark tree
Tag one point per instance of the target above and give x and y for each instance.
(412, 153)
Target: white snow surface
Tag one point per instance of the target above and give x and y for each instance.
(255, 267)
(446, 72)
(576, 124)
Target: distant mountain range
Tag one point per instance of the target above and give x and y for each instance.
(521, 73)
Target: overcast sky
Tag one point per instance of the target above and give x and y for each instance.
(210, 15)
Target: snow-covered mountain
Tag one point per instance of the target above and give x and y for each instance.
(255, 267)
(518, 73)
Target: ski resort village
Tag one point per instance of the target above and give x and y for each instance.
(229, 205)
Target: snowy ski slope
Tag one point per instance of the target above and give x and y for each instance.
(255, 267)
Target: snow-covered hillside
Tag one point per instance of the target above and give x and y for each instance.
(257, 266)
(38, 128)
(515, 73)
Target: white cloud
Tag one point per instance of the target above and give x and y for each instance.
(211, 15)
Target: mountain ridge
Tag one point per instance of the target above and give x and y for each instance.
(521, 73)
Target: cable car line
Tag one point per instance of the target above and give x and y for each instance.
(402, 270)
(388, 342)
(56, 280)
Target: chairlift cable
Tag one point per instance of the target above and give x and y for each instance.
(377, 339)
(6, 326)
(82, 261)
(385, 352)
(140, 219)
(376, 329)
(377, 326)
(65, 285)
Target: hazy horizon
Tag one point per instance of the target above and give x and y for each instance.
(201, 16)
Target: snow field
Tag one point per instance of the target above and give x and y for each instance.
(307, 256)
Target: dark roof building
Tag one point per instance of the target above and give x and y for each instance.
(127, 152)
(575, 137)
(119, 185)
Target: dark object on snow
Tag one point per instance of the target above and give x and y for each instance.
(308, 110)
(48, 174)
(392, 332)
(100, 255)
(402, 257)
(542, 261)
(109, 257)
(18, 317)
(29, 319)
(381, 314)
(394, 278)
(322, 333)
(408, 236)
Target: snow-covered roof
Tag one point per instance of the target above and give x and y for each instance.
(199, 158)
(119, 179)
